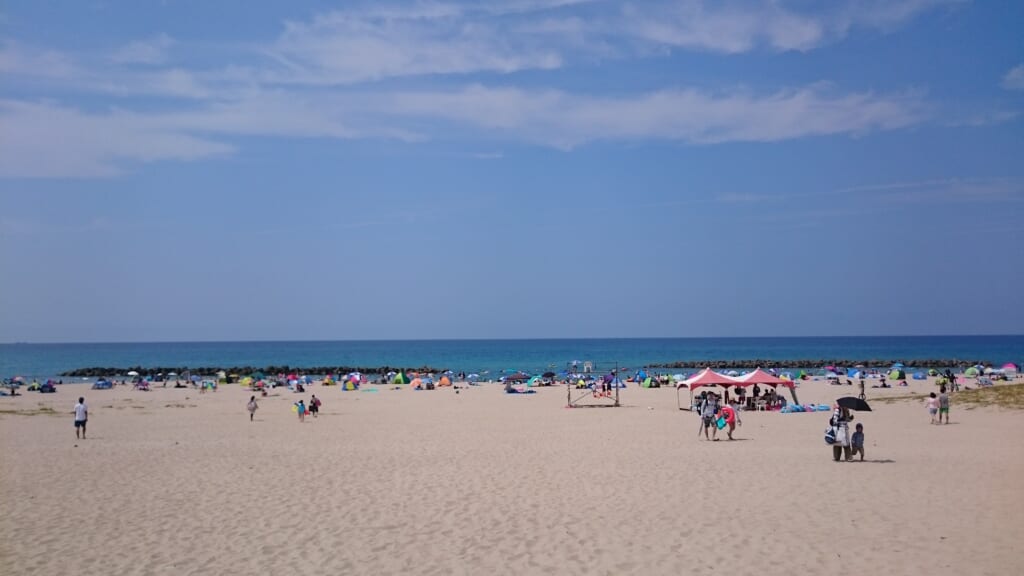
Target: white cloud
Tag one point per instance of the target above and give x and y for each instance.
(1014, 78)
(350, 47)
(151, 51)
(44, 140)
(722, 28)
(733, 27)
(566, 120)
(19, 60)
(49, 140)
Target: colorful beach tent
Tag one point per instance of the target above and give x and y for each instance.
(971, 372)
(897, 374)
(400, 378)
(919, 375)
(1010, 369)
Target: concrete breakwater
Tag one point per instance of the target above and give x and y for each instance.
(273, 371)
(242, 371)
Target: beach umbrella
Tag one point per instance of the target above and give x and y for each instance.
(853, 403)
(472, 377)
(133, 373)
(898, 365)
(548, 375)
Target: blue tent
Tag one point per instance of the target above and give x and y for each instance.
(919, 375)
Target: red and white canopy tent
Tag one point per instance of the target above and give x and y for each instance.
(706, 377)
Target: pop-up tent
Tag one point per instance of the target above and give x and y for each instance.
(971, 372)
(400, 378)
(706, 377)
(759, 376)
(919, 375)
(897, 374)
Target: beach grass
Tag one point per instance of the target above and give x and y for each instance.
(38, 411)
(1003, 396)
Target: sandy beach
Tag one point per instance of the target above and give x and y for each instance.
(404, 482)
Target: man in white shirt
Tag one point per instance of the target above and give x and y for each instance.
(81, 416)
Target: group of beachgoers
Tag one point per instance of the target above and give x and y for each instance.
(844, 445)
(938, 406)
(301, 408)
(717, 415)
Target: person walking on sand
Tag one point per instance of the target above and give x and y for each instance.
(708, 411)
(943, 404)
(81, 417)
(840, 422)
(732, 417)
(314, 405)
(252, 406)
(301, 409)
(933, 406)
(858, 442)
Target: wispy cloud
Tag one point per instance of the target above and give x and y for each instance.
(19, 60)
(1014, 78)
(320, 78)
(43, 138)
(152, 51)
(566, 120)
(734, 27)
(351, 46)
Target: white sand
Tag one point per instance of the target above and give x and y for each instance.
(404, 482)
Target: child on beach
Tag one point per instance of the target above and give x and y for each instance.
(933, 405)
(943, 404)
(314, 406)
(300, 408)
(252, 407)
(857, 442)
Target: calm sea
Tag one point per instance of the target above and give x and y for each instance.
(533, 356)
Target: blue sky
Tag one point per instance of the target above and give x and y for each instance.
(187, 170)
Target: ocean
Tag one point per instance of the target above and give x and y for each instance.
(42, 361)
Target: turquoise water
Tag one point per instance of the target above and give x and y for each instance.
(48, 360)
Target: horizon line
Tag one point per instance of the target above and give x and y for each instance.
(513, 339)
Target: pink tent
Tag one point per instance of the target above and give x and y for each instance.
(761, 377)
(1010, 366)
(708, 377)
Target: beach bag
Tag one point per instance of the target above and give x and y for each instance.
(720, 422)
(830, 435)
(842, 436)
